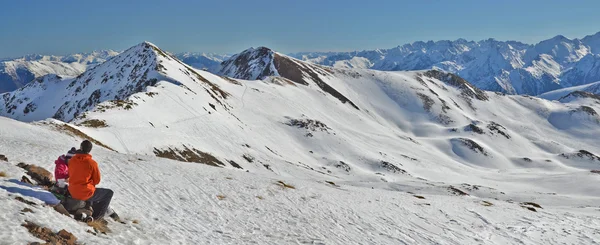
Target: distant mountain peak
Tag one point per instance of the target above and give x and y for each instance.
(131, 72)
(504, 66)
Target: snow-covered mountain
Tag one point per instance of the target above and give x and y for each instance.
(505, 66)
(390, 157)
(591, 90)
(15, 73)
(203, 61)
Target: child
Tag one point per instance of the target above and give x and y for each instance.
(61, 171)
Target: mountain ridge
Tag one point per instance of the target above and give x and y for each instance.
(504, 66)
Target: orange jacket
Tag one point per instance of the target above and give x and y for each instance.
(84, 175)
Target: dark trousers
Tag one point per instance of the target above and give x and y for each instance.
(100, 201)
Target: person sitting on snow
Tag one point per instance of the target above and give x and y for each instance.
(84, 175)
(61, 171)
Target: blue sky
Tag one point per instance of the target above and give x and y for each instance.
(228, 26)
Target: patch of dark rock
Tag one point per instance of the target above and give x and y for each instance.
(495, 127)
(342, 165)
(20, 199)
(3, 158)
(454, 80)
(42, 176)
(94, 123)
(31, 107)
(526, 159)
(188, 155)
(419, 197)
(487, 204)
(62, 237)
(444, 119)
(26, 210)
(581, 94)
(285, 185)
(427, 102)
(213, 106)
(473, 146)
(297, 72)
(457, 191)
(331, 183)
(581, 154)
(309, 124)
(409, 158)
(586, 109)
(470, 187)
(392, 168)
(248, 158)
(531, 204)
(234, 164)
(473, 128)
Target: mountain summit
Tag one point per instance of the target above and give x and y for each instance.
(505, 66)
(128, 73)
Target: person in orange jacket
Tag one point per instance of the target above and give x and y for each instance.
(84, 175)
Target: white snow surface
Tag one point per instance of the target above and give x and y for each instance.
(395, 135)
(505, 66)
(593, 88)
(15, 73)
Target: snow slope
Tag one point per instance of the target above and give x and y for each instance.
(505, 66)
(377, 136)
(15, 73)
(592, 88)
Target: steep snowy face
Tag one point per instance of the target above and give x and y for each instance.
(591, 90)
(586, 70)
(593, 41)
(15, 73)
(263, 63)
(115, 80)
(564, 50)
(505, 66)
(251, 64)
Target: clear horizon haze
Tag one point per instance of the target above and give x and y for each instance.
(64, 27)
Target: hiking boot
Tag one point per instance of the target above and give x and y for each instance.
(115, 217)
(84, 214)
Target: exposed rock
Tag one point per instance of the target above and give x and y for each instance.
(451, 79)
(392, 168)
(581, 154)
(39, 174)
(342, 165)
(456, 191)
(309, 124)
(188, 155)
(495, 127)
(473, 146)
(63, 237)
(473, 128)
